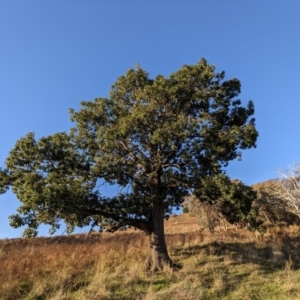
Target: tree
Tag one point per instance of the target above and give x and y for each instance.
(280, 198)
(157, 139)
(221, 199)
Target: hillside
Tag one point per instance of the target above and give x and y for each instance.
(228, 265)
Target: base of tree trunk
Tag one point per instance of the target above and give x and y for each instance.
(160, 262)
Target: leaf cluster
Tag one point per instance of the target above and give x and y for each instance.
(230, 199)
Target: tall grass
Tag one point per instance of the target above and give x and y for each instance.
(228, 265)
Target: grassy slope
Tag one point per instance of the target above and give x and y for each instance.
(228, 265)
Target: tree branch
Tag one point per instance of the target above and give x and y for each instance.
(141, 224)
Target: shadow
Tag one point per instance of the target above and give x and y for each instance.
(269, 254)
(225, 268)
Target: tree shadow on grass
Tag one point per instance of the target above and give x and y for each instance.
(225, 266)
(269, 255)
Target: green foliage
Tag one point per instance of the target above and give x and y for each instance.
(51, 179)
(185, 210)
(4, 181)
(157, 139)
(220, 198)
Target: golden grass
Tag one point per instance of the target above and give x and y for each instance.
(228, 265)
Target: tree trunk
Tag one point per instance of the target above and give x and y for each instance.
(158, 256)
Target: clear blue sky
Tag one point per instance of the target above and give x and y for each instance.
(54, 54)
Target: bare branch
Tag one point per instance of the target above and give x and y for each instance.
(286, 191)
(171, 165)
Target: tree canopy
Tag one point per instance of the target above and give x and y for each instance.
(156, 139)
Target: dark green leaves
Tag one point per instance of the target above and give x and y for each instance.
(156, 139)
(4, 181)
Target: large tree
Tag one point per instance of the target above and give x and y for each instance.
(156, 139)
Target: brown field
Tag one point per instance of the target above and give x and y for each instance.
(236, 264)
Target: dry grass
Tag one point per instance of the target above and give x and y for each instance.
(227, 265)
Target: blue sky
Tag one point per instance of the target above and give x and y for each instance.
(54, 54)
